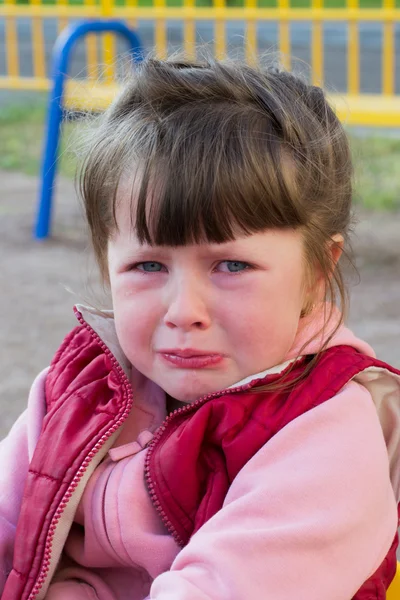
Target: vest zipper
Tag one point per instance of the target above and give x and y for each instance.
(160, 434)
(73, 485)
(150, 446)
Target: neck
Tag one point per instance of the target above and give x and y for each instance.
(172, 404)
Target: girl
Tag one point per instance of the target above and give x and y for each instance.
(221, 434)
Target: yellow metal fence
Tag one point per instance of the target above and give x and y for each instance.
(382, 108)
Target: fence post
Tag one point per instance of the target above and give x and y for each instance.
(61, 54)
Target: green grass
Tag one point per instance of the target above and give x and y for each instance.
(21, 134)
(377, 161)
(376, 158)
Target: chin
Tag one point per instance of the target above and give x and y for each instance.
(191, 393)
(188, 386)
(187, 398)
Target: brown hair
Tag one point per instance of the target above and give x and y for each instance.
(217, 148)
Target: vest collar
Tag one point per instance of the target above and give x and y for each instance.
(102, 322)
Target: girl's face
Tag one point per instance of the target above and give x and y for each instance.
(199, 318)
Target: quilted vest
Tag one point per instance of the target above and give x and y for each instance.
(88, 398)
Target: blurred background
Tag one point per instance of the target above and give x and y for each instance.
(350, 47)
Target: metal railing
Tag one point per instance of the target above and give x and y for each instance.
(383, 108)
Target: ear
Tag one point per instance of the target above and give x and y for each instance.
(316, 293)
(335, 246)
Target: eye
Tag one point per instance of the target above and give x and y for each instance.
(233, 266)
(149, 267)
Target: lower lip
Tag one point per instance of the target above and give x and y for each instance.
(193, 362)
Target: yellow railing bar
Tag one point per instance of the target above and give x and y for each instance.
(91, 50)
(317, 47)
(388, 54)
(108, 44)
(161, 28)
(24, 83)
(11, 45)
(39, 67)
(206, 13)
(47, 10)
(353, 53)
(189, 33)
(363, 109)
(62, 21)
(220, 28)
(91, 57)
(132, 4)
(240, 14)
(284, 33)
(251, 35)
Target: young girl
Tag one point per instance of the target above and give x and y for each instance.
(221, 435)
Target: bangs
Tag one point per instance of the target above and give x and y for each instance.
(209, 178)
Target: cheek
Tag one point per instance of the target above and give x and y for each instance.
(286, 304)
(267, 322)
(135, 321)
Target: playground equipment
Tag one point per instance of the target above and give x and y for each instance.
(61, 55)
(189, 17)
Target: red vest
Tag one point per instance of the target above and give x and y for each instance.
(89, 396)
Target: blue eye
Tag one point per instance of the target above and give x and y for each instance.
(150, 267)
(235, 266)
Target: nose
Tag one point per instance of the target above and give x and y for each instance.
(187, 307)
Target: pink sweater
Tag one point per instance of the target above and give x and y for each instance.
(293, 522)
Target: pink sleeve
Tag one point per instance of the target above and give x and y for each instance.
(15, 453)
(311, 516)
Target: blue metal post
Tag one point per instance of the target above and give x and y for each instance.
(61, 54)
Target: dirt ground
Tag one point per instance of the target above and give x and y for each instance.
(41, 281)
